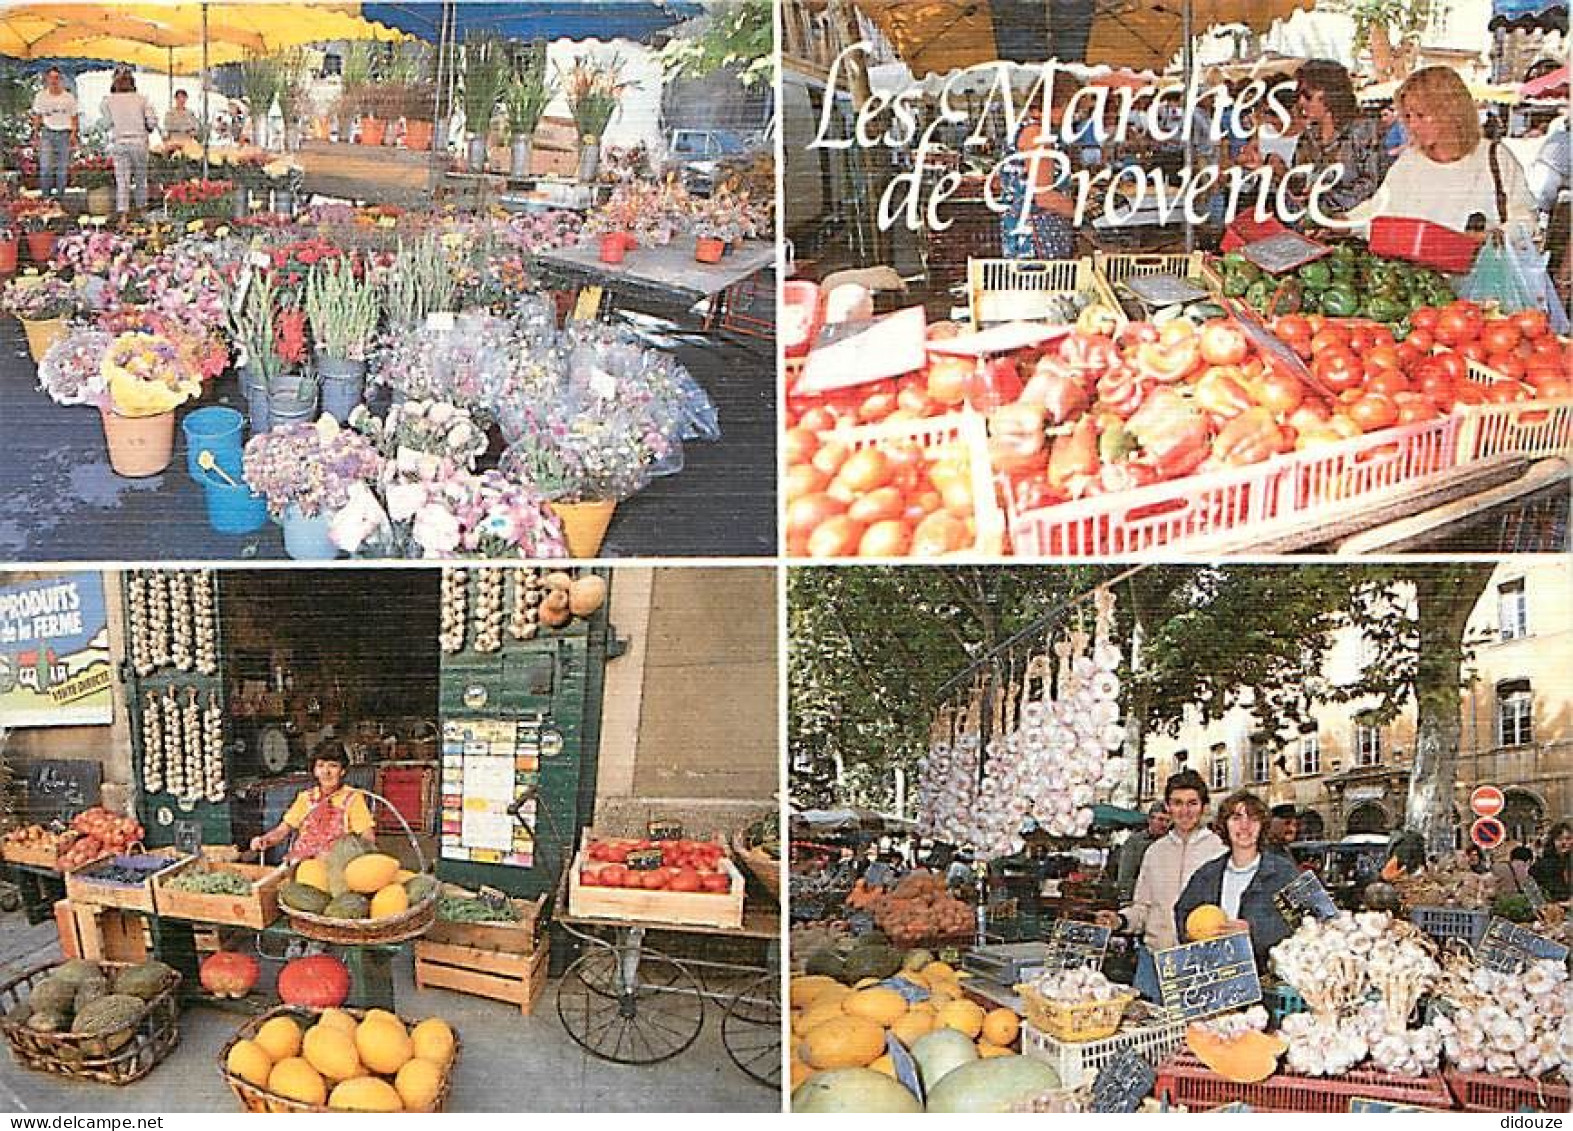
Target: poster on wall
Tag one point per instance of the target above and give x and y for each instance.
(54, 653)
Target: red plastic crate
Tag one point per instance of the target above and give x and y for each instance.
(1421, 241)
(410, 789)
(1477, 1091)
(1186, 1080)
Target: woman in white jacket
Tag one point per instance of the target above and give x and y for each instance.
(1166, 868)
(129, 119)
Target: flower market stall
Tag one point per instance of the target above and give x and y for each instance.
(361, 843)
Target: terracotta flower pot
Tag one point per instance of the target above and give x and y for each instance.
(139, 446)
(417, 135)
(41, 334)
(8, 250)
(584, 525)
(708, 249)
(613, 246)
(40, 246)
(372, 131)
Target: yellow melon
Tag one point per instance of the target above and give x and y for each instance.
(404, 874)
(365, 1093)
(886, 1065)
(912, 1025)
(1206, 921)
(433, 1040)
(370, 873)
(332, 1052)
(391, 900)
(294, 1079)
(383, 1046)
(943, 971)
(963, 1016)
(313, 873)
(806, 989)
(279, 1037)
(382, 1015)
(800, 1072)
(880, 1004)
(1000, 1027)
(818, 1015)
(986, 1050)
(844, 1042)
(418, 1083)
(338, 1019)
(250, 1061)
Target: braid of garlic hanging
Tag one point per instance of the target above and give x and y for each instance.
(191, 739)
(488, 610)
(455, 588)
(152, 746)
(137, 606)
(182, 636)
(211, 729)
(204, 622)
(524, 620)
(158, 620)
(174, 757)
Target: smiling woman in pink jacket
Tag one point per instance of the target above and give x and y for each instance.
(1166, 868)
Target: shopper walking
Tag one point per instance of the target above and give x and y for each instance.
(55, 129)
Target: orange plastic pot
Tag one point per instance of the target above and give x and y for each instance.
(139, 446)
(708, 250)
(417, 135)
(8, 250)
(372, 131)
(42, 333)
(613, 247)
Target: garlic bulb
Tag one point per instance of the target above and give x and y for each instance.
(1518, 1024)
(524, 619)
(1334, 963)
(174, 753)
(488, 618)
(1228, 1026)
(1082, 984)
(137, 610)
(158, 620)
(455, 591)
(212, 729)
(152, 746)
(182, 637)
(1322, 1046)
(204, 622)
(191, 739)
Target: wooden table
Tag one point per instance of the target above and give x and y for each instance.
(659, 277)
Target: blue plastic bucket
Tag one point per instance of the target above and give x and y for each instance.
(232, 510)
(217, 430)
(307, 539)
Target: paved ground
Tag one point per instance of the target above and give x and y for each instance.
(509, 1062)
(62, 502)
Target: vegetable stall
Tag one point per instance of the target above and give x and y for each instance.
(342, 969)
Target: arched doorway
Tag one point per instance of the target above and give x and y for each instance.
(1312, 827)
(1368, 817)
(1522, 813)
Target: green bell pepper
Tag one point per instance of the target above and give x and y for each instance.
(1340, 301)
(1316, 276)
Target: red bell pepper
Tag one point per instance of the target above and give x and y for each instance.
(1172, 433)
(1249, 438)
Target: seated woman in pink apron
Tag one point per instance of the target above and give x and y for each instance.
(322, 814)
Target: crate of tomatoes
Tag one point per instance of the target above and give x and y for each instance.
(689, 882)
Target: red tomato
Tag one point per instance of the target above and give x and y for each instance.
(804, 479)
(1360, 339)
(720, 883)
(1500, 335)
(1532, 324)
(687, 879)
(888, 538)
(877, 505)
(1415, 407)
(1223, 343)
(803, 515)
(947, 379)
(1510, 365)
(1336, 368)
(914, 399)
(1467, 392)
(1506, 392)
(1333, 335)
(654, 880)
(1559, 390)
(1292, 328)
(615, 875)
(800, 444)
(876, 407)
(1548, 348)
(865, 470)
(1450, 363)
(1280, 392)
(1423, 318)
(1458, 323)
(1541, 373)
(938, 533)
(1408, 355)
(1475, 350)
(836, 537)
(1374, 411)
(1422, 340)
(1385, 381)
(1385, 356)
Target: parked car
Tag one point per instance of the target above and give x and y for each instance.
(1345, 866)
(700, 157)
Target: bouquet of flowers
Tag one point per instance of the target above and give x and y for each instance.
(198, 199)
(653, 212)
(309, 466)
(72, 372)
(36, 298)
(108, 269)
(187, 281)
(422, 430)
(207, 349)
(443, 512)
(148, 374)
(593, 91)
(575, 458)
(470, 365)
(93, 171)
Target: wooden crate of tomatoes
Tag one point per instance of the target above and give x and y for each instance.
(688, 882)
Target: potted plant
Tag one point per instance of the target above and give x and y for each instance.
(308, 472)
(525, 101)
(594, 91)
(266, 321)
(72, 370)
(199, 199)
(10, 241)
(148, 376)
(412, 88)
(42, 303)
(37, 218)
(417, 284)
(358, 97)
(259, 87)
(96, 173)
(343, 311)
(485, 76)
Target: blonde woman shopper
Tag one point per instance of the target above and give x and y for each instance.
(129, 119)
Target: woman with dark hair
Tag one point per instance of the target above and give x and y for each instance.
(321, 815)
(130, 119)
(1337, 132)
(1244, 880)
(1036, 219)
(1554, 870)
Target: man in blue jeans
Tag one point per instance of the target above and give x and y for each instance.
(54, 133)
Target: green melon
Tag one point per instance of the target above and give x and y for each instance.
(350, 905)
(419, 887)
(52, 996)
(146, 981)
(852, 1090)
(996, 1084)
(110, 1020)
(940, 1053)
(303, 897)
(75, 971)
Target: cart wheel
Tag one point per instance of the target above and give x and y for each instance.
(751, 1030)
(653, 1017)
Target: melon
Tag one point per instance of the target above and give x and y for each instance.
(250, 1062)
(279, 1037)
(384, 1046)
(1000, 1027)
(880, 1004)
(418, 1083)
(371, 873)
(940, 1053)
(314, 874)
(433, 1040)
(913, 1024)
(338, 1019)
(963, 1016)
(986, 1050)
(391, 900)
(818, 1014)
(1206, 921)
(1247, 1059)
(332, 1052)
(844, 1042)
(992, 1084)
(365, 1093)
(806, 989)
(852, 1090)
(294, 1079)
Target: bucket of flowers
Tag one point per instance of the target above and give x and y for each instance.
(40, 219)
(191, 201)
(42, 303)
(147, 376)
(308, 472)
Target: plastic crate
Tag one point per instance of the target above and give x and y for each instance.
(1421, 241)
(1281, 1001)
(1452, 923)
(1477, 1091)
(1186, 1080)
(1078, 1062)
(1114, 269)
(1012, 290)
(1524, 428)
(936, 432)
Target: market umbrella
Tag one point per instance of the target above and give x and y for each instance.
(1479, 91)
(1115, 817)
(1529, 15)
(540, 19)
(942, 35)
(1552, 85)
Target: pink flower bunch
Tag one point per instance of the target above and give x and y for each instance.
(312, 466)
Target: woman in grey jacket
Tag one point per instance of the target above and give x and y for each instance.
(1244, 880)
(130, 119)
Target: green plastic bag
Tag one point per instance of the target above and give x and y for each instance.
(1516, 278)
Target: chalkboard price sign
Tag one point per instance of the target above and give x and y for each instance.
(61, 787)
(1123, 1083)
(1200, 979)
(1073, 944)
(1304, 895)
(1509, 948)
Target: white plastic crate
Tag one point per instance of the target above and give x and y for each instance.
(1527, 428)
(1078, 1062)
(1114, 269)
(1018, 290)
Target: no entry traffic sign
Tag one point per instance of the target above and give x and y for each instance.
(1487, 832)
(1487, 801)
